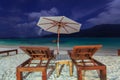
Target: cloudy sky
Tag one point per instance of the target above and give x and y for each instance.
(19, 17)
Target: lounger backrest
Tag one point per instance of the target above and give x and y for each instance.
(84, 52)
(37, 52)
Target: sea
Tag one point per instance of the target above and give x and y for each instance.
(108, 43)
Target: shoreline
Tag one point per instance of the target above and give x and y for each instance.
(100, 52)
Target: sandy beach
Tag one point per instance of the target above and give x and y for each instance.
(8, 66)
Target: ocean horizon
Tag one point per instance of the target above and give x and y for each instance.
(108, 43)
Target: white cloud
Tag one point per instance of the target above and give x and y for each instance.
(109, 16)
(36, 15)
(52, 12)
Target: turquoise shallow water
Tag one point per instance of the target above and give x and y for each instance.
(113, 43)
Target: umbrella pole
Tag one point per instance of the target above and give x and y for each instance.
(58, 39)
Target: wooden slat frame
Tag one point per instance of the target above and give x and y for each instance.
(41, 66)
(8, 51)
(80, 54)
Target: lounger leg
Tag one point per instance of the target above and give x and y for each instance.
(57, 69)
(71, 68)
(16, 52)
(44, 75)
(103, 74)
(18, 75)
(7, 53)
(83, 75)
(79, 73)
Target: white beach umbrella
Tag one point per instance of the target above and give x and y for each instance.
(59, 25)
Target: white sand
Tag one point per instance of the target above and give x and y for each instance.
(8, 66)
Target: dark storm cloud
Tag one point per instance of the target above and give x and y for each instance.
(19, 17)
(23, 24)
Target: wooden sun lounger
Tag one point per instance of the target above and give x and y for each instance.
(42, 54)
(8, 51)
(81, 57)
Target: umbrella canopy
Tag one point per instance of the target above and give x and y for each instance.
(59, 25)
